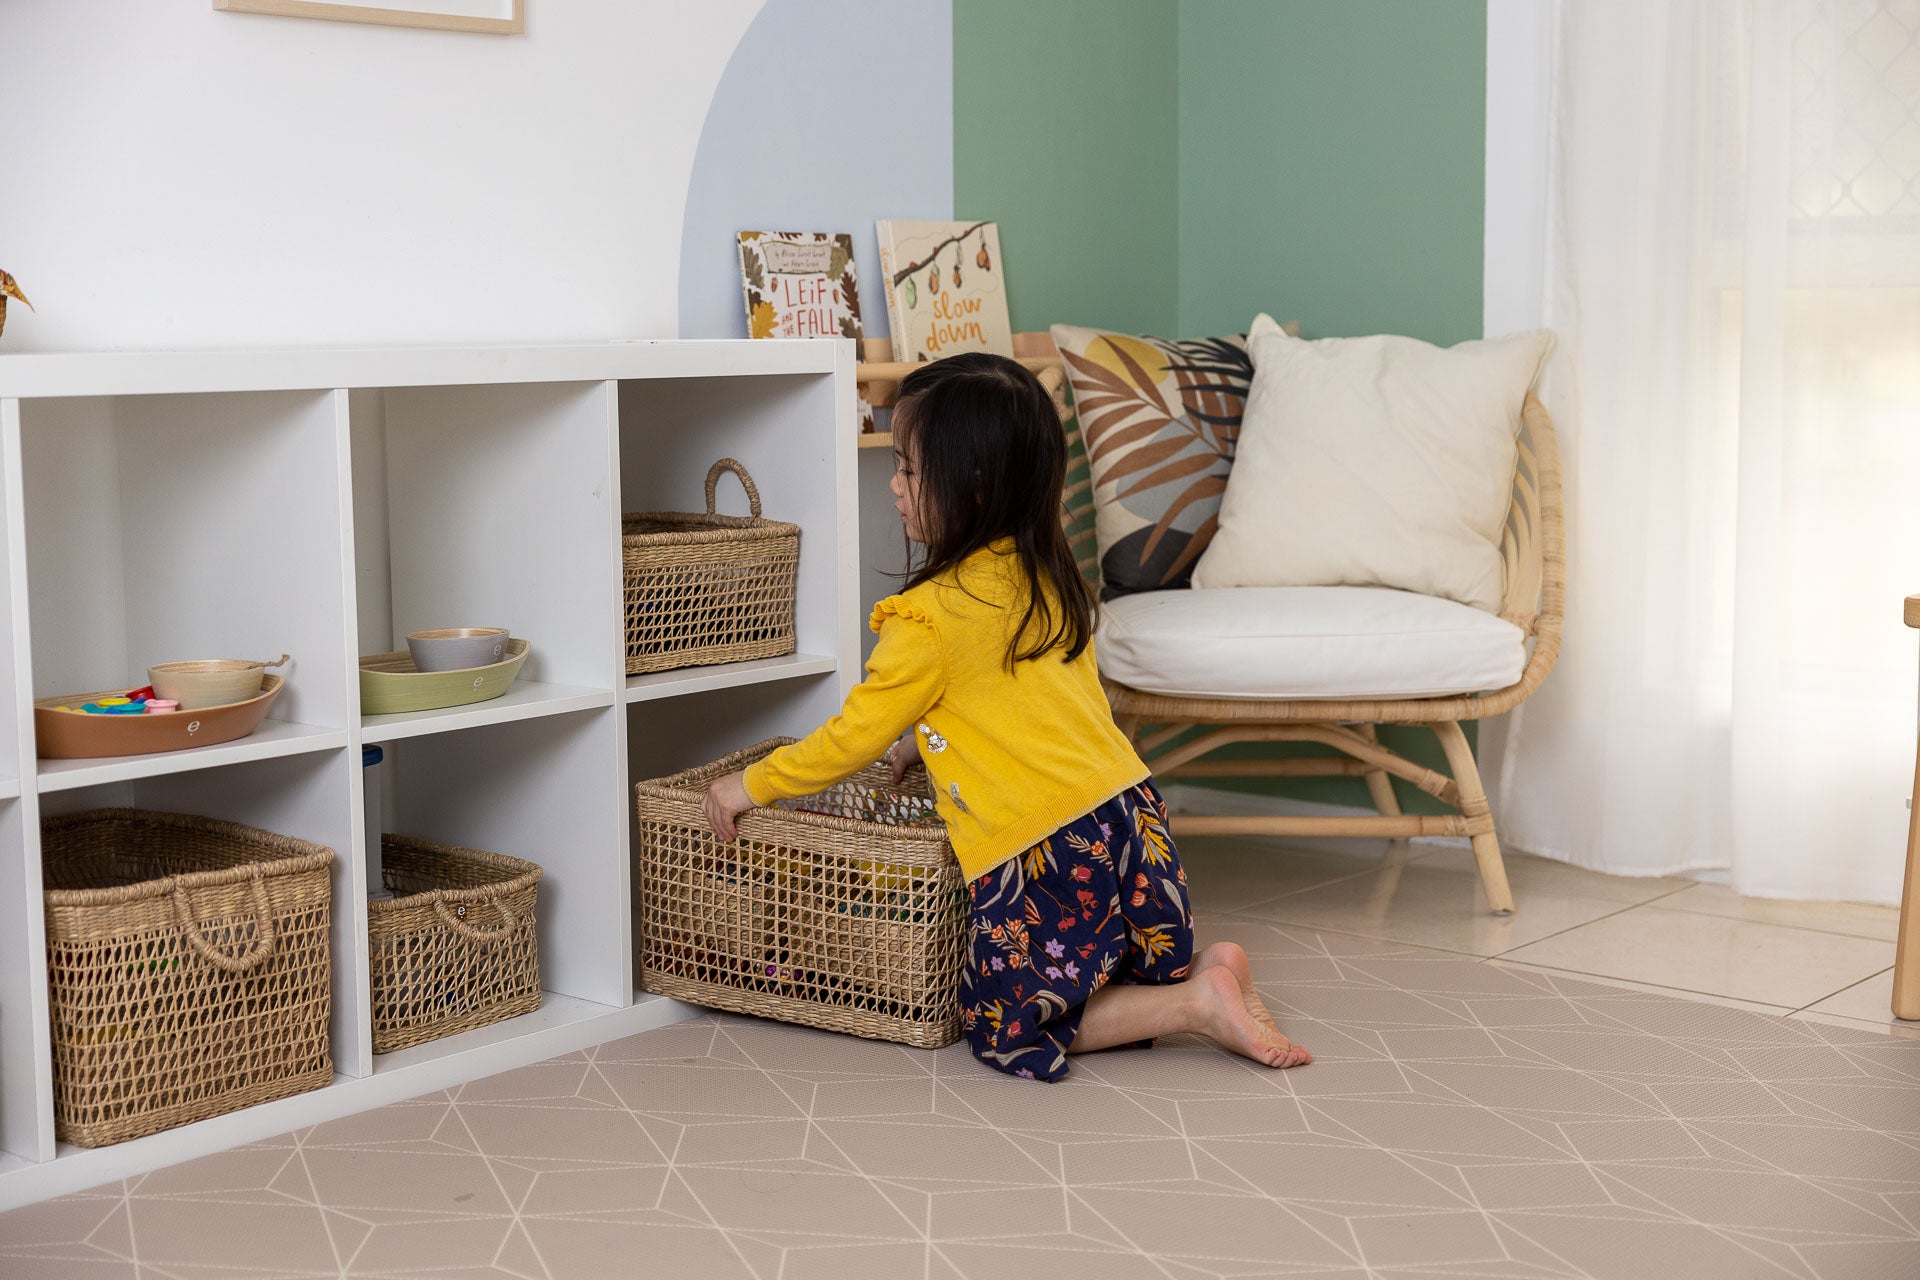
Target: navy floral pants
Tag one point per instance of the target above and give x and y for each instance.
(1103, 899)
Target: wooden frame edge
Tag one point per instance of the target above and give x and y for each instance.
(374, 15)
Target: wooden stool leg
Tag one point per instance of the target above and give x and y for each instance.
(1473, 806)
(1379, 785)
(1906, 955)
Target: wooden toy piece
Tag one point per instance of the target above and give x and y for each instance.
(9, 288)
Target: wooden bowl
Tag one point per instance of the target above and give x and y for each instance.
(199, 685)
(457, 648)
(75, 735)
(389, 682)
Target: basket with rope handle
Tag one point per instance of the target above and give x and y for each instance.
(189, 969)
(703, 588)
(456, 947)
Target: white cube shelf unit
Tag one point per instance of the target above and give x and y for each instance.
(324, 503)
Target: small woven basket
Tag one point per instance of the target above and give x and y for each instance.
(455, 948)
(188, 970)
(844, 911)
(708, 588)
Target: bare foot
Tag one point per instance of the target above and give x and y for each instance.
(1232, 957)
(1232, 1024)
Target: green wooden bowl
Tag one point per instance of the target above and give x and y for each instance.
(389, 682)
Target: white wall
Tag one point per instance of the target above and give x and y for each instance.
(172, 176)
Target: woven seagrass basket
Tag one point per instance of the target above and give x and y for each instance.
(188, 970)
(708, 588)
(844, 910)
(455, 948)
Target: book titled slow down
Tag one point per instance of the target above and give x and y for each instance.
(946, 292)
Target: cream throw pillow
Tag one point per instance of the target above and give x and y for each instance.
(1380, 461)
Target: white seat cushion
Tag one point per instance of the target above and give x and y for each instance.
(1305, 642)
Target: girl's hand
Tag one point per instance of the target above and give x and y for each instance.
(726, 800)
(903, 755)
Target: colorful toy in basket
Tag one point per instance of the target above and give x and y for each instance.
(844, 910)
(702, 589)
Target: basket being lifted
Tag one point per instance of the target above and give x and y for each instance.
(708, 588)
(844, 910)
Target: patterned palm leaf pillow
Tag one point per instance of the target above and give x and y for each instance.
(1159, 420)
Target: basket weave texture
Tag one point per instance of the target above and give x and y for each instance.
(708, 588)
(188, 970)
(455, 948)
(845, 910)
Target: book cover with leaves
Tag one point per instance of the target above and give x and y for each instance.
(800, 284)
(946, 292)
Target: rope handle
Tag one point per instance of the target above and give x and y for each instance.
(746, 482)
(479, 937)
(264, 937)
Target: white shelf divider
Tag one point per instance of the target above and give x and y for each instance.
(524, 700)
(26, 1066)
(728, 675)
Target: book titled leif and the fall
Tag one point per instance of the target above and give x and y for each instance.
(800, 284)
(946, 292)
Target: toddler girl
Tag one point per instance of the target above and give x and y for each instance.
(1080, 935)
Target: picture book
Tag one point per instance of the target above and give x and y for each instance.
(946, 291)
(801, 285)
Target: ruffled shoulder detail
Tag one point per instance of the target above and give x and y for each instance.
(902, 606)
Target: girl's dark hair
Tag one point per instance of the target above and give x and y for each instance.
(991, 458)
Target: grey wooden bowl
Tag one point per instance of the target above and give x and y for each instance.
(457, 648)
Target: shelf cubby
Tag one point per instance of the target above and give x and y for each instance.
(489, 506)
(546, 790)
(672, 430)
(166, 527)
(307, 796)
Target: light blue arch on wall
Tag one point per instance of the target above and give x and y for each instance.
(830, 114)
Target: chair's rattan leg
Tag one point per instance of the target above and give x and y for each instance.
(1473, 806)
(1379, 784)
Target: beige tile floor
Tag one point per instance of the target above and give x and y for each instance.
(1728, 1108)
(1815, 961)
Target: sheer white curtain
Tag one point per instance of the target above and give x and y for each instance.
(1732, 260)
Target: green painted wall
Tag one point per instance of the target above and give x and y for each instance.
(1332, 170)
(1176, 166)
(1066, 118)
(1331, 165)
